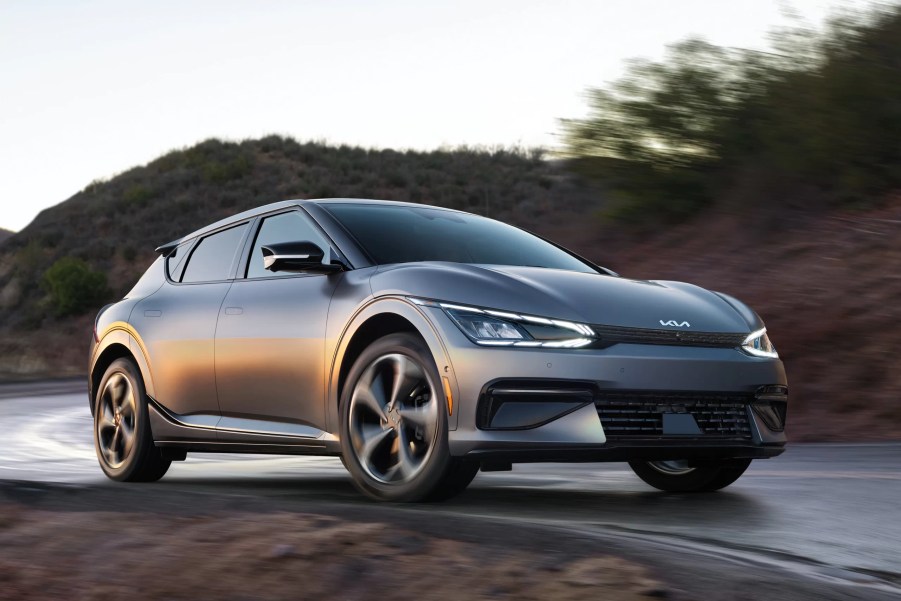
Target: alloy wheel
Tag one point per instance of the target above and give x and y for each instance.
(394, 415)
(116, 416)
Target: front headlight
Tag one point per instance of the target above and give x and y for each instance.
(759, 344)
(504, 328)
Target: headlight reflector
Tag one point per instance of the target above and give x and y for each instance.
(759, 344)
(504, 328)
(485, 327)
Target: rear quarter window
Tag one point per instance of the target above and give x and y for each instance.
(175, 262)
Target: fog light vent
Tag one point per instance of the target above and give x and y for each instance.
(525, 405)
(771, 406)
(772, 413)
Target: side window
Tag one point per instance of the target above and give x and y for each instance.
(286, 227)
(212, 257)
(175, 262)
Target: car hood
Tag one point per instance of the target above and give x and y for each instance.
(584, 297)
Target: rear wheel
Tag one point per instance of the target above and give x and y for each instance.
(122, 436)
(683, 476)
(394, 425)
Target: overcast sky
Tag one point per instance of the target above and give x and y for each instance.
(91, 88)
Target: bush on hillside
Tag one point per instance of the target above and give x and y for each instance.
(74, 287)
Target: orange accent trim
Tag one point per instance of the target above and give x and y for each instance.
(448, 395)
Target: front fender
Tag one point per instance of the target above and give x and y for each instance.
(401, 307)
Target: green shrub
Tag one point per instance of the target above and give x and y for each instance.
(74, 287)
(137, 196)
(217, 172)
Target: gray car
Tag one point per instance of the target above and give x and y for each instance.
(421, 345)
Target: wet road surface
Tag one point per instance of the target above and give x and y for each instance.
(828, 512)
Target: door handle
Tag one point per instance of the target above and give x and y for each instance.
(234, 310)
(152, 313)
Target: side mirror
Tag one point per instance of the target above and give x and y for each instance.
(298, 257)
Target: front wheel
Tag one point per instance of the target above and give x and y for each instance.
(682, 476)
(394, 425)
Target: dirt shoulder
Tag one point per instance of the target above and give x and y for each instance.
(97, 542)
(98, 553)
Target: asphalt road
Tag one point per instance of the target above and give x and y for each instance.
(827, 514)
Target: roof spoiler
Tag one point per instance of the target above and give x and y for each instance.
(167, 249)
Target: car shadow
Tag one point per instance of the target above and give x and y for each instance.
(641, 509)
(616, 507)
(487, 505)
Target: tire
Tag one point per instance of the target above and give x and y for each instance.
(673, 476)
(394, 425)
(120, 408)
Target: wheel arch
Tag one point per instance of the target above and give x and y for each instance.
(377, 319)
(119, 342)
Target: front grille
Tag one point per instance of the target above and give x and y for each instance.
(616, 334)
(640, 414)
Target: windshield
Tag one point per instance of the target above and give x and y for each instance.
(404, 234)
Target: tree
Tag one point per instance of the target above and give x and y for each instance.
(820, 113)
(74, 287)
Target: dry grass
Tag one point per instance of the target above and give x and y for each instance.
(103, 556)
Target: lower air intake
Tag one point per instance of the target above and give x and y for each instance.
(641, 414)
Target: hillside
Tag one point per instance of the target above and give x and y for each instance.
(114, 225)
(826, 282)
(4, 234)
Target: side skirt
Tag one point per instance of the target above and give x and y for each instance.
(203, 435)
(248, 448)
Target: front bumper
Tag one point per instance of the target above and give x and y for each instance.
(578, 434)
